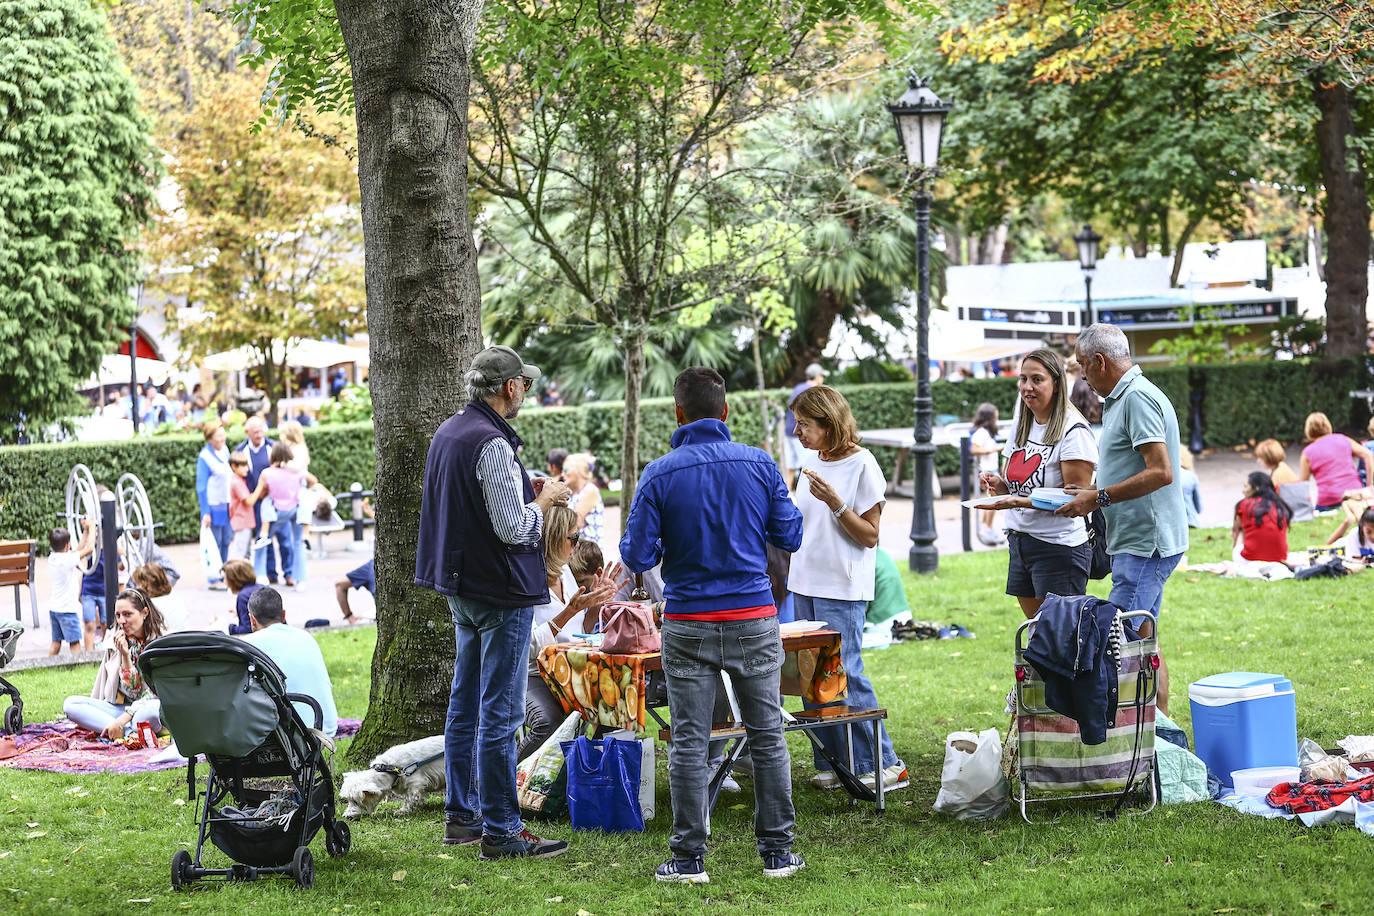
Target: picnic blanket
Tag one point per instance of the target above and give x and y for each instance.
(61, 747)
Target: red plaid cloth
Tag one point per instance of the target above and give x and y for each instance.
(1319, 794)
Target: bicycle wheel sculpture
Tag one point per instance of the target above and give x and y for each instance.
(135, 521)
(83, 502)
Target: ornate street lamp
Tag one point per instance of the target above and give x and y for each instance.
(1088, 242)
(920, 118)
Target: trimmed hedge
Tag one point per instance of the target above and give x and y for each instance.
(1243, 402)
(33, 478)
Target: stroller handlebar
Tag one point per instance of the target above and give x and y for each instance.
(313, 703)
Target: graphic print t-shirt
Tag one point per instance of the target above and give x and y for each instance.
(1036, 464)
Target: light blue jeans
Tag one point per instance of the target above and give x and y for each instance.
(285, 532)
(750, 651)
(847, 618)
(485, 710)
(96, 715)
(1138, 582)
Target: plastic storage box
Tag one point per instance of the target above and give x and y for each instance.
(1243, 720)
(1259, 780)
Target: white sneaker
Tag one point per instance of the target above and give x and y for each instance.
(728, 784)
(825, 779)
(894, 777)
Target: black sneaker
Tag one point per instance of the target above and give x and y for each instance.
(523, 845)
(782, 864)
(683, 871)
(456, 833)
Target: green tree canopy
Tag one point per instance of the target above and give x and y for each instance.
(77, 174)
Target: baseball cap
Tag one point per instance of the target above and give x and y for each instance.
(501, 364)
(813, 370)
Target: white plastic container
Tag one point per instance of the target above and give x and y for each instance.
(1050, 498)
(1259, 780)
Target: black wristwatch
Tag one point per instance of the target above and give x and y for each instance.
(1103, 500)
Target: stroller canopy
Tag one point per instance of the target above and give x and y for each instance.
(220, 695)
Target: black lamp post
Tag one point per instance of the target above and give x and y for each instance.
(920, 117)
(1088, 242)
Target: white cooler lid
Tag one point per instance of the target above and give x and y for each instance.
(1234, 686)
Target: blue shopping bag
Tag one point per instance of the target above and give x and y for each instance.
(603, 784)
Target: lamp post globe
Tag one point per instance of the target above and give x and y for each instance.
(1088, 243)
(919, 116)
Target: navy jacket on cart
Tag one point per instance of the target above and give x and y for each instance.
(1070, 645)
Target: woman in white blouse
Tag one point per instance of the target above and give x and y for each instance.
(840, 494)
(556, 621)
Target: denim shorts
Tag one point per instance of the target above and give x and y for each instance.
(66, 626)
(1038, 568)
(92, 608)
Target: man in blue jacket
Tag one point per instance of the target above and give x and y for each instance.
(480, 547)
(705, 510)
(258, 448)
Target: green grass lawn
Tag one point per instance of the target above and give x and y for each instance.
(101, 844)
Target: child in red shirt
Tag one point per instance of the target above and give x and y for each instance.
(240, 509)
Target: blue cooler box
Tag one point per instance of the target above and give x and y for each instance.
(1243, 719)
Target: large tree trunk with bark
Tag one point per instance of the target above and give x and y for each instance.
(410, 64)
(1347, 221)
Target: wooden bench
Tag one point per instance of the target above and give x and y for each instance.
(805, 721)
(18, 561)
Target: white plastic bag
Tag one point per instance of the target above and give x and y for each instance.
(646, 770)
(972, 786)
(209, 554)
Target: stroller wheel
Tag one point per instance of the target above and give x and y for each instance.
(303, 867)
(14, 719)
(181, 868)
(338, 840)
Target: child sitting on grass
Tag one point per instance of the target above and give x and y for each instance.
(242, 582)
(1359, 544)
(64, 599)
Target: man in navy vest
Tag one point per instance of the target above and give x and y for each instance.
(480, 547)
(258, 448)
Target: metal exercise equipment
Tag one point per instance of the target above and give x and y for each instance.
(123, 524)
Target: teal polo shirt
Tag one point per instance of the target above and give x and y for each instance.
(1134, 414)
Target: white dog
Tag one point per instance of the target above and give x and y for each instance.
(407, 771)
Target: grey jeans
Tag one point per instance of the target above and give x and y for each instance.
(750, 651)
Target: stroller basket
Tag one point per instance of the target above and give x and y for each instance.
(1051, 762)
(226, 699)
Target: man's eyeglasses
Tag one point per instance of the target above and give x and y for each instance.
(528, 383)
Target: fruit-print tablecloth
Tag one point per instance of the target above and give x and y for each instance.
(608, 689)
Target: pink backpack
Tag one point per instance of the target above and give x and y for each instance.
(628, 629)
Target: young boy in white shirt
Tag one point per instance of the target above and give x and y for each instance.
(64, 601)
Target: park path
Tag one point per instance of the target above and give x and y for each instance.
(1220, 475)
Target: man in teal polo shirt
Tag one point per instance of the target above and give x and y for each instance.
(1137, 477)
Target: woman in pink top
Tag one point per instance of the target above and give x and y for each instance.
(1331, 460)
(283, 484)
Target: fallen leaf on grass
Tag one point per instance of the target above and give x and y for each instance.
(583, 913)
(179, 801)
(398, 875)
(34, 824)
(35, 834)
(140, 900)
(457, 887)
(444, 855)
(737, 807)
(1225, 909)
(553, 899)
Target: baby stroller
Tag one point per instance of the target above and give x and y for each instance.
(1048, 761)
(10, 631)
(224, 698)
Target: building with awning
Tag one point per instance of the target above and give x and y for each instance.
(1223, 284)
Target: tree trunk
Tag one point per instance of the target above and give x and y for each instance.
(806, 345)
(1347, 221)
(1183, 238)
(954, 245)
(629, 430)
(410, 64)
(767, 443)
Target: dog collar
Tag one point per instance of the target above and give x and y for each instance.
(393, 771)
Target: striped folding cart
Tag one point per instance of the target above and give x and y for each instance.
(1048, 762)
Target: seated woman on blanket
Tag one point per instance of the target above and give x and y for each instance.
(556, 621)
(1359, 543)
(1260, 527)
(119, 698)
